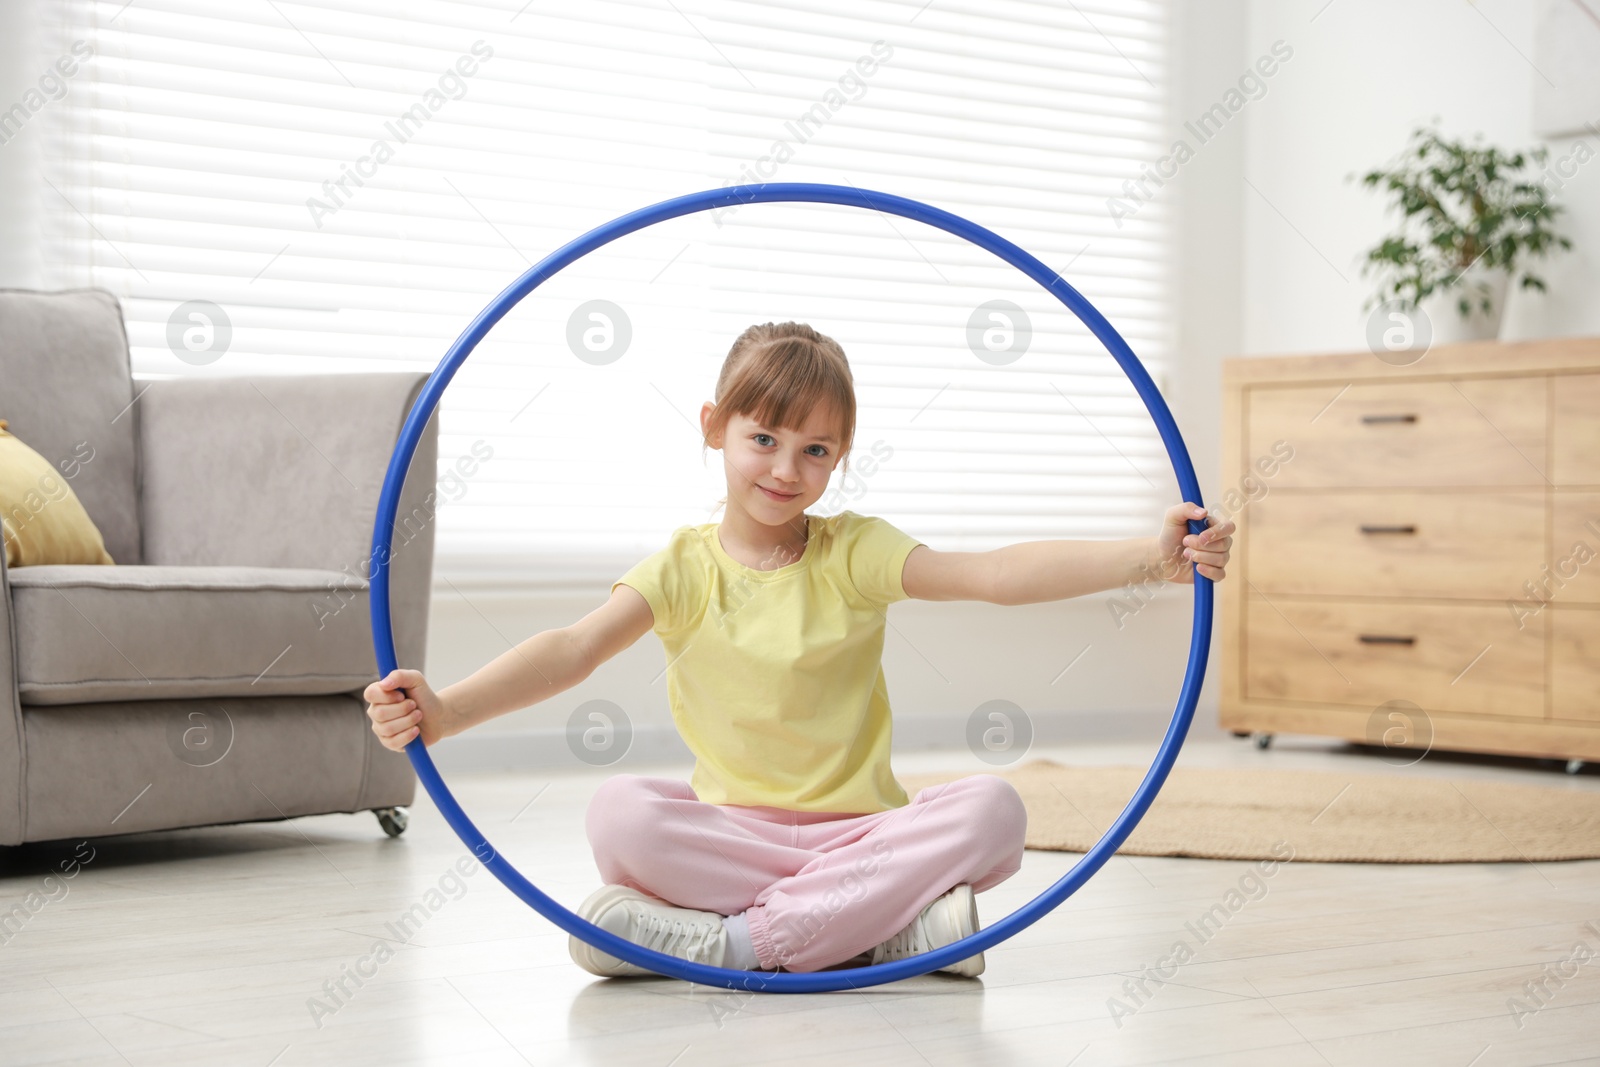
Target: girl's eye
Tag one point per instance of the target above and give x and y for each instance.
(762, 439)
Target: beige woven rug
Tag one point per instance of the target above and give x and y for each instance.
(1323, 816)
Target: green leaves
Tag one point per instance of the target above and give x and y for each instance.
(1460, 205)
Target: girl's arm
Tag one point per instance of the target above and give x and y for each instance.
(403, 707)
(547, 663)
(1036, 571)
(1031, 572)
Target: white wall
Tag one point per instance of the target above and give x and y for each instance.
(1364, 73)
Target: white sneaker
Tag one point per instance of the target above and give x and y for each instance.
(697, 936)
(946, 920)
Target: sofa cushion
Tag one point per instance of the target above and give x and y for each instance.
(92, 633)
(69, 393)
(43, 520)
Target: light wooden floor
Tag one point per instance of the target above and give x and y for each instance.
(207, 946)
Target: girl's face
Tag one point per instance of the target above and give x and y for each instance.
(774, 474)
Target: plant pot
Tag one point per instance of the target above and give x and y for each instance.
(1445, 316)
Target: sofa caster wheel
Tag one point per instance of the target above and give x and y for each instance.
(1262, 739)
(1574, 766)
(393, 820)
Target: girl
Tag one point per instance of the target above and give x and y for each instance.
(792, 846)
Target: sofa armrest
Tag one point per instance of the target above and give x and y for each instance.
(285, 471)
(11, 750)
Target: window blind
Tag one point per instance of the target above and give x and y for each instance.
(351, 181)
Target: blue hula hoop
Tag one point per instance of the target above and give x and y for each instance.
(819, 981)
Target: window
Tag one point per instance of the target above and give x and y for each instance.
(351, 181)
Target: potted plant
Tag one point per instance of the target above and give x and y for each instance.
(1471, 218)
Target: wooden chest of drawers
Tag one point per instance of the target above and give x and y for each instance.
(1418, 557)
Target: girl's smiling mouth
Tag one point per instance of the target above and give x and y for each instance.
(775, 495)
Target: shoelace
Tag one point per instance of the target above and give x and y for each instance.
(912, 941)
(666, 934)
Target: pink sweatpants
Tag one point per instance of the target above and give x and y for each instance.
(819, 888)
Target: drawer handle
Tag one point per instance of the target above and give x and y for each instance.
(1370, 419)
(1386, 639)
(1368, 529)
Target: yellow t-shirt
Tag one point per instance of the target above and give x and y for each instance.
(775, 678)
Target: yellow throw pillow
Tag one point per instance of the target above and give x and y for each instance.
(43, 520)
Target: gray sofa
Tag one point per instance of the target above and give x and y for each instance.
(214, 674)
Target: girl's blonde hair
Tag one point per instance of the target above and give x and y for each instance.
(778, 374)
